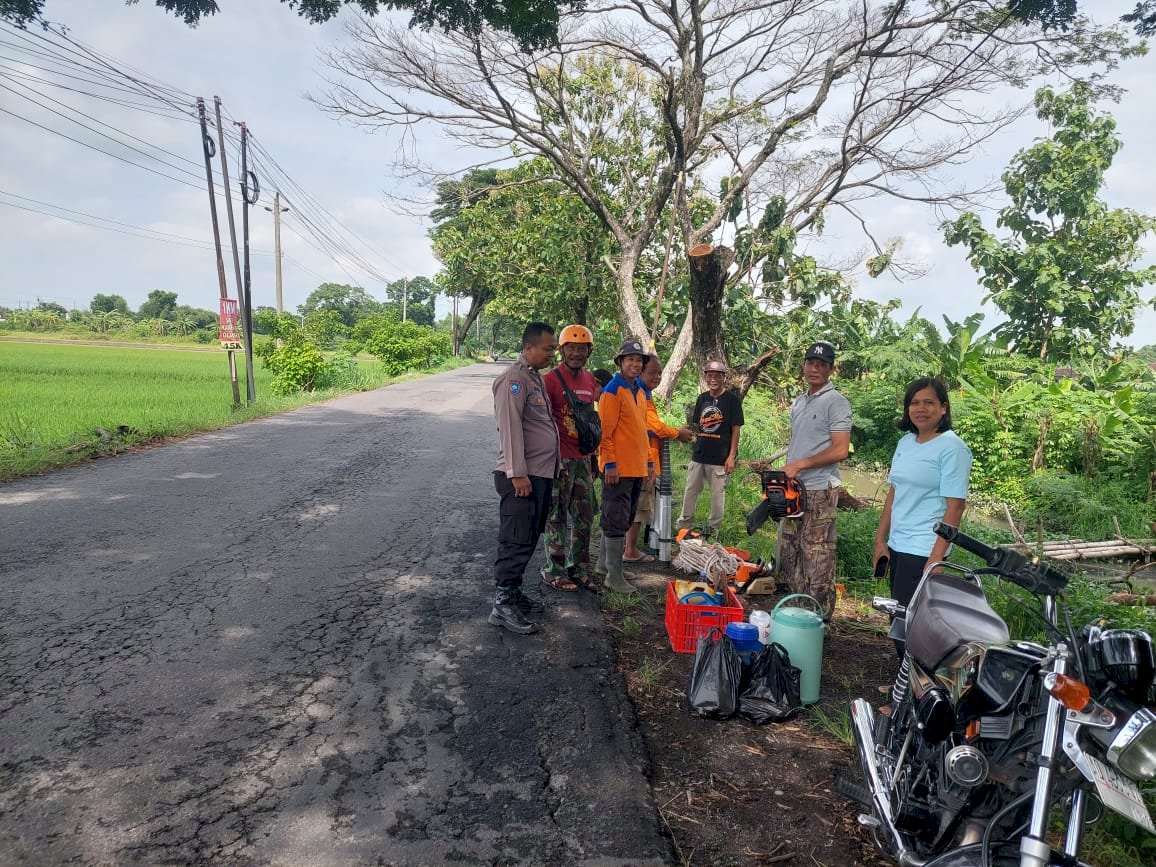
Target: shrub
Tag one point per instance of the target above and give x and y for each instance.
(297, 364)
(403, 346)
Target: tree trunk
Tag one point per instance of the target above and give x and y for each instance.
(745, 377)
(629, 313)
(708, 276)
(477, 304)
(678, 357)
(1041, 443)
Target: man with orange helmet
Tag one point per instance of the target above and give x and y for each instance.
(572, 515)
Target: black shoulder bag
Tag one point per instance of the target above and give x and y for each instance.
(586, 420)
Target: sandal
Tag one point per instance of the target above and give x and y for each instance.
(586, 582)
(645, 558)
(559, 583)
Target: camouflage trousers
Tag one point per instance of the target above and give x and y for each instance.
(571, 516)
(807, 549)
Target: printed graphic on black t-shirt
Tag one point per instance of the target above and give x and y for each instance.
(716, 416)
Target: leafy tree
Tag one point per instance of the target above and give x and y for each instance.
(350, 302)
(159, 305)
(102, 303)
(1064, 278)
(415, 296)
(403, 346)
(297, 364)
(52, 307)
(199, 315)
(1063, 14)
(260, 318)
(110, 320)
(324, 327)
(640, 102)
(526, 248)
(533, 22)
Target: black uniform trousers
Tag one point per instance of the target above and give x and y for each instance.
(522, 521)
(906, 573)
(619, 504)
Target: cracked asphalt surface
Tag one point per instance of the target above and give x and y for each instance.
(268, 645)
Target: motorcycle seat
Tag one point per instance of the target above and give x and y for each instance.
(949, 613)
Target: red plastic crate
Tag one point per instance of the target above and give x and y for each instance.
(686, 623)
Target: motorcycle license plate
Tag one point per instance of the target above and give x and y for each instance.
(1119, 793)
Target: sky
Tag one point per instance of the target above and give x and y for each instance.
(263, 61)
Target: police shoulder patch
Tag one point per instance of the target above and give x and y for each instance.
(515, 387)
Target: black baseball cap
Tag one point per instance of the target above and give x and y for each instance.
(631, 347)
(821, 350)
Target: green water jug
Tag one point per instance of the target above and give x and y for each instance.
(800, 631)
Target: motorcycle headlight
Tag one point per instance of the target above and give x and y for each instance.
(1133, 750)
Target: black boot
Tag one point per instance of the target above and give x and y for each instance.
(506, 613)
(525, 604)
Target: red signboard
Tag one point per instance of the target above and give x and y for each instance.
(230, 328)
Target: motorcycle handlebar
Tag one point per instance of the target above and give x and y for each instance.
(1029, 573)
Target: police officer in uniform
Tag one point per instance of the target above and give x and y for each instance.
(528, 462)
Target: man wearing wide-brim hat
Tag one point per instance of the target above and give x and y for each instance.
(623, 457)
(820, 439)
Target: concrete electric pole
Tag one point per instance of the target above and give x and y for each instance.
(277, 210)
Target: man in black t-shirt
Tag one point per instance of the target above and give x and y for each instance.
(718, 415)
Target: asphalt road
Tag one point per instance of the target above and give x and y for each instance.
(268, 645)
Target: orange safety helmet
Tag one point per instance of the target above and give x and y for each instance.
(575, 334)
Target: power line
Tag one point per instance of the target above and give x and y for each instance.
(95, 148)
(118, 222)
(142, 82)
(102, 123)
(114, 86)
(168, 237)
(318, 226)
(304, 194)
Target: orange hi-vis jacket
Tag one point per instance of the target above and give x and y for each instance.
(657, 430)
(625, 445)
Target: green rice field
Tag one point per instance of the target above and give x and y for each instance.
(53, 397)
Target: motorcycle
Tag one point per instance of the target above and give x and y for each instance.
(986, 735)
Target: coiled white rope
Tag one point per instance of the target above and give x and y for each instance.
(709, 558)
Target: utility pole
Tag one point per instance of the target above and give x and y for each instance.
(207, 147)
(250, 393)
(247, 306)
(404, 298)
(454, 326)
(277, 209)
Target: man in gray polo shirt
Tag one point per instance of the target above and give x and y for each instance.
(820, 439)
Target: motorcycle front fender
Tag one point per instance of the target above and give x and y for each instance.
(898, 631)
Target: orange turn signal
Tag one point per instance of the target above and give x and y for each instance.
(1069, 692)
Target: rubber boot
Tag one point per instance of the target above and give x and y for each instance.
(506, 613)
(614, 578)
(600, 566)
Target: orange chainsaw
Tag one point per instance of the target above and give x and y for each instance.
(783, 497)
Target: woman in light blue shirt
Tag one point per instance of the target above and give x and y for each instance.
(928, 478)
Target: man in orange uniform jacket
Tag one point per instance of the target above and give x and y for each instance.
(623, 458)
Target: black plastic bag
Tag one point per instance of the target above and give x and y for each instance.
(713, 690)
(774, 691)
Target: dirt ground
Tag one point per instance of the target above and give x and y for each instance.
(732, 793)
